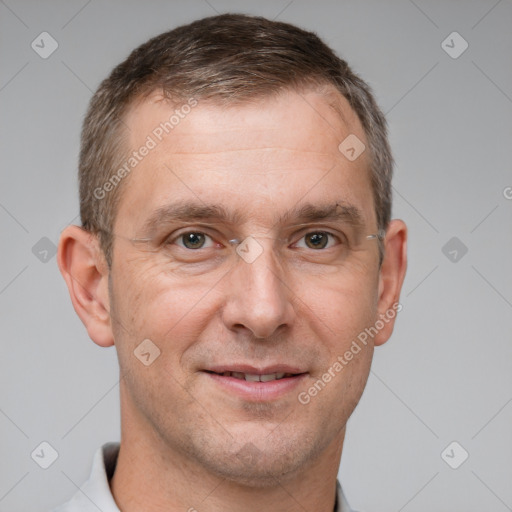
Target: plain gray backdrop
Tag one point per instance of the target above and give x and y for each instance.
(445, 375)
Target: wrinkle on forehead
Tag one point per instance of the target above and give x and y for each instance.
(243, 123)
(250, 161)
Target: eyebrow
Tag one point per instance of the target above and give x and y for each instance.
(339, 211)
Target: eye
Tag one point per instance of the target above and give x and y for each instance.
(317, 240)
(193, 240)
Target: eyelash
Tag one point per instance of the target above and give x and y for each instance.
(179, 236)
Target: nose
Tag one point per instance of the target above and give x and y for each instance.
(259, 296)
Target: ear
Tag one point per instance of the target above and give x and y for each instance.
(84, 268)
(391, 278)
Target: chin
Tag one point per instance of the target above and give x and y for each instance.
(263, 463)
(257, 470)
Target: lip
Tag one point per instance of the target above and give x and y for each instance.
(256, 391)
(247, 368)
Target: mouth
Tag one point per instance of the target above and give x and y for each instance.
(256, 385)
(255, 377)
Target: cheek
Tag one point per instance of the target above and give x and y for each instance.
(171, 315)
(152, 304)
(344, 303)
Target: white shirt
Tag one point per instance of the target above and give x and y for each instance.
(95, 493)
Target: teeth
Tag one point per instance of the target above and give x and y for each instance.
(257, 378)
(252, 378)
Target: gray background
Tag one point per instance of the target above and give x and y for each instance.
(445, 374)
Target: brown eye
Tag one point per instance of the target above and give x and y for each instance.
(193, 240)
(317, 240)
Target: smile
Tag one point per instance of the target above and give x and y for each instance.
(252, 377)
(256, 387)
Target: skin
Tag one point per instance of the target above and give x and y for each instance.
(185, 441)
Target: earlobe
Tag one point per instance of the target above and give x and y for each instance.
(392, 274)
(84, 269)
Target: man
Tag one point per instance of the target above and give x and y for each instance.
(236, 247)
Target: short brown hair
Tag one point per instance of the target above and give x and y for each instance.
(230, 58)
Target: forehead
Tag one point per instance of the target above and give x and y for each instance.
(264, 153)
(288, 118)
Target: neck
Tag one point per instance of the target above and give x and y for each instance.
(152, 476)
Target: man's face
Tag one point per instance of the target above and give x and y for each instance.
(291, 303)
